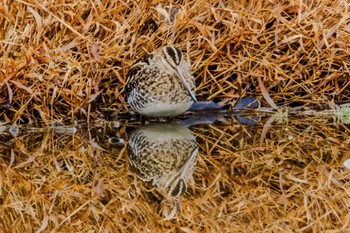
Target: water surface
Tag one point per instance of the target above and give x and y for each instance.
(219, 177)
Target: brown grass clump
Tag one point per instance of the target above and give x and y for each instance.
(77, 182)
(66, 59)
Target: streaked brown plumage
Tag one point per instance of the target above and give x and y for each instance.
(161, 84)
(163, 155)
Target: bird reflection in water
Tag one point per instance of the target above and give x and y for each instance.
(163, 155)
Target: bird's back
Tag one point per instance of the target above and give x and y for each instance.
(154, 90)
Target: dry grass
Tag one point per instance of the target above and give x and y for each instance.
(78, 182)
(67, 59)
(64, 60)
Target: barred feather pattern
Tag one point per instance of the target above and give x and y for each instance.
(153, 89)
(164, 155)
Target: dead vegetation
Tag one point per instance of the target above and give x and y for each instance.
(64, 60)
(68, 59)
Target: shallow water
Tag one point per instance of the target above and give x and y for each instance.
(220, 177)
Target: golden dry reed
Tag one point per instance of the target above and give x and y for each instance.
(68, 59)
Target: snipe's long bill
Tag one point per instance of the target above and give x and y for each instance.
(161, 84)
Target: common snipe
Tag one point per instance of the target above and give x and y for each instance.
(164, 156)
(161, 84)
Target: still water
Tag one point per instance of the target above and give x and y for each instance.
(126, 176)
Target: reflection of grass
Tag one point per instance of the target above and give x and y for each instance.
(76, 181)
(279, 179)
(343, 113)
